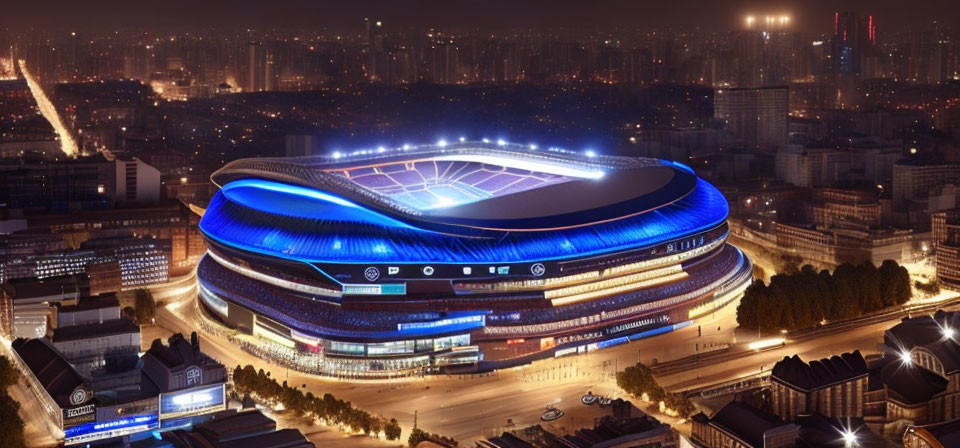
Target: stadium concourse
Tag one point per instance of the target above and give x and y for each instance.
(460, 257)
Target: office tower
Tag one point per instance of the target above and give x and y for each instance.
(757, 116)
(853, 45)
(260, 68)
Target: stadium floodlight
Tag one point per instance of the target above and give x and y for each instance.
(501, 142)
(590, 153)
(486, 140)
(381, 149)
(532, 146)
(947, 332)
(337, 155)
(406, 147)
(463, 139)
(441, 143)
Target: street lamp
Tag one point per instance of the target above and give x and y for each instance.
(905, 358)
(849, 438)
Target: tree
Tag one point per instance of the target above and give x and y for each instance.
(8, 374)
(681, 404)
(638, 380)
(11, 425)
(145, 306)
(392, 429)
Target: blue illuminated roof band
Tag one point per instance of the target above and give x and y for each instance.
(307, 225)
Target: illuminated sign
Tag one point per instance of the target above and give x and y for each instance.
(79, 415)
(371, 274)
(547, 342)
(386, 289)
(76, 412)
(538, 269)
(114, 428)
(464, 321)
(78, 396)
(194, 375)
(192, 401)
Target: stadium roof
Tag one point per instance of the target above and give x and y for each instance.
(482, 185)
(533, 206)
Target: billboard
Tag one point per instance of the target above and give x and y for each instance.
(193, 401)
(88, 432)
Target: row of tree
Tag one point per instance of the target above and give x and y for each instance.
(11, 425)
(248, 380)
(418, 435)
(638, 380)
(804, 298)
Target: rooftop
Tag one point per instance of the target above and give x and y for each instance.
(54, 373)
(466, 184)
(33, 288)
(911, 384)
(87, 303)
(95, 330)
(818, 374)
(928, 332)
(946, 433)
(744, 422)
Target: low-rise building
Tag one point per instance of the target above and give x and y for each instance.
(928, 343)
(25, 303)
(937, 435)
(89, 310)
(832, 386)
(89, 346)
(189, 381)
(232, 429)
(738, 425)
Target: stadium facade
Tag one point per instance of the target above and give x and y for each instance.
(461, 256)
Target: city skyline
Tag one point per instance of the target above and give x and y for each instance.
(457, 16)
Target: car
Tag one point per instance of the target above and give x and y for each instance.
(551, 415)
(588, 398)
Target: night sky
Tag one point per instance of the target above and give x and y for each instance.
(718, 15)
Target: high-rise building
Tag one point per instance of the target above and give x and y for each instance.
(757, 116)
(260, 68)
(852, 47)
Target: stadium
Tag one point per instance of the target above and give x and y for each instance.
(460, 256)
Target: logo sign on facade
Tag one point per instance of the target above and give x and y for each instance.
(538, 269)
(78, 396)
(77, 412)
(194, 375)
(371, 274)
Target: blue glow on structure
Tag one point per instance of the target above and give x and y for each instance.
(282, 224)
(300, 202)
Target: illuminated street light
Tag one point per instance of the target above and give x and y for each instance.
(905, 358)
(849, 438)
